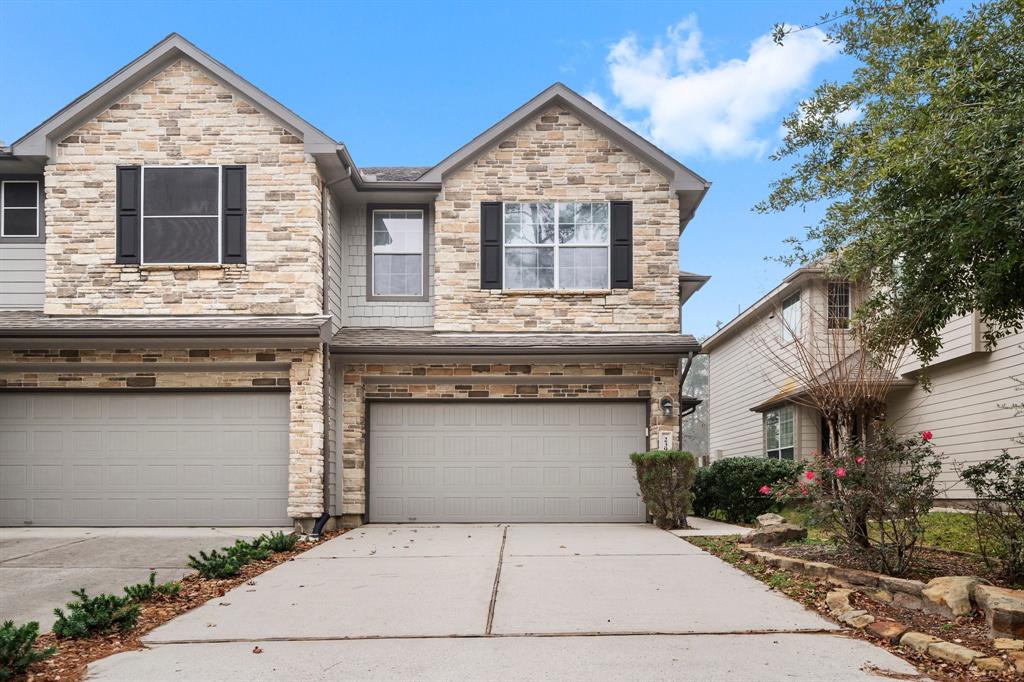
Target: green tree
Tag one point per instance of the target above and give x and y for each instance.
(919, 158)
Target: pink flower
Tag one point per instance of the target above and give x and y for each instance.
(764, 490)
(927, 436)
(809, 475)
(803, 490)
(859, 460)
(840, 472)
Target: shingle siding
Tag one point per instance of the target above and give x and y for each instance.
(22, 276)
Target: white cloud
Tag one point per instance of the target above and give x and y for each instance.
(692, 107)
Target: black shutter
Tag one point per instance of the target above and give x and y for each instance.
(129, 214)
(490, 245)
(233, 215)
(622, 245)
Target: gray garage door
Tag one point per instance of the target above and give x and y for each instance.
(143, 459)
(477, 461)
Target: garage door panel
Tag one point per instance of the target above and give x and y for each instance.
(482, 467)
(143, 459)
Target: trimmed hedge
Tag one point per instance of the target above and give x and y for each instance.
(665, 478)
(729, 487)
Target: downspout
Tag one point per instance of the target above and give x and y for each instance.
(679, 398)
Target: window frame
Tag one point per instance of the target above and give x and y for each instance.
(768, 452)
(833, 322)
(556, 246)
(143, 216)
(787, 333)
(424, 255)
(39, 235)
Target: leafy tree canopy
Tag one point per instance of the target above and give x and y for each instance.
(920, 160)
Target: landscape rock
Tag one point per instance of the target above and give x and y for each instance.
(765, 520)
(990, 664)
(884, 596)
(895, 585)
(817, 569)
(838, 601)
(857, 618)
(952, 653)
(918, 641)
(950, 595)
(1004, 610)
(1007, 644)
(1017, 658)
(887, 629)
(907, 601)
(851, 576)
(776, 535)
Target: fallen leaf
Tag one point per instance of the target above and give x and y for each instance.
(257, 650)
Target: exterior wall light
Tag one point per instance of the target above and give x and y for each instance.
(666, 406)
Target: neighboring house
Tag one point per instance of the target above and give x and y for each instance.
(211, 315)
(756, 406)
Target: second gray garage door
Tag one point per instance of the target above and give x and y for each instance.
(143, 459)
(504, 461)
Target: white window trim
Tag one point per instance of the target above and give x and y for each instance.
(789, 333)
(4, 208)
(828, 306)
(219, 216)
(422, 253)
(556, 246)
(778, 451)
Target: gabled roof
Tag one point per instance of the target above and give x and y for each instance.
(41, 140)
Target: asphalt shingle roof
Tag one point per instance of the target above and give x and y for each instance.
(33, 323)
(394, 173)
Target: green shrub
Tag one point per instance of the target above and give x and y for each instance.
(215, 565)
(17, 648)
(665, 477)
(146, 591)
(731, 487)
(247, 551)
(92, 615)
(998, 487)
(279, 542)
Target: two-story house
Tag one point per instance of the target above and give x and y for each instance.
(209, 314)
(758, 387)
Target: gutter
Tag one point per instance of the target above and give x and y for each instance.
(515, 350)
(682, 380)
(362, 185)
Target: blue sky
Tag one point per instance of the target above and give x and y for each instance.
(407, 83)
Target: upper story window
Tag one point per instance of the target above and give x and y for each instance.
(181, 214)
(19, 208)
(556, 245)
(838, 305)
(790, 319)
(779, 426)
(398, 246)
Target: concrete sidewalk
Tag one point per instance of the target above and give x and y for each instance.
(469, 602)
(40, 566)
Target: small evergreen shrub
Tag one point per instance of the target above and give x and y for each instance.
(998, 487)
(246, 551)
(147, 590)
(665, 477)
(17, 648)
(91, 615)
(730, 487)
(215, 565)
(280, 542)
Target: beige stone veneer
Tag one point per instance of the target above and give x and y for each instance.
(213, 369)
(555, 157)
(632, 380)
(183, 117)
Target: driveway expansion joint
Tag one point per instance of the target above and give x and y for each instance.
(497, 580)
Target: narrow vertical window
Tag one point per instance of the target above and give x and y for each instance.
(838, 305)
(19, 208)
(790, 319)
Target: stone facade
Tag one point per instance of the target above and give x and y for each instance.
(298, 370)
(555, 157)
(361, 382)
(183, 117)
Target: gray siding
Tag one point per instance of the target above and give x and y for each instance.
(335, 296)
(22, 276)
(356, 310)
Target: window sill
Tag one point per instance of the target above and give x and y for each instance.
(555, 292)
(176, 266)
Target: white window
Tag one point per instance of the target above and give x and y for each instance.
(838, 305)
(556, 245)
(19, 208)
(181, 214)
(779, 429)
(790, 318)
(397, 250)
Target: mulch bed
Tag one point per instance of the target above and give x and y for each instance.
(967, 631)
(928, 563)
(73, 655)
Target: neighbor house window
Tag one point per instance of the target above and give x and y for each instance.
(397, 244)
(556, 245)
(19, 208)
(838, 305)
(181, 214)
(790, 318)
(779, 429)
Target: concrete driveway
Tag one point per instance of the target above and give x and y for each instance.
(40, 566)
(471, 602)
